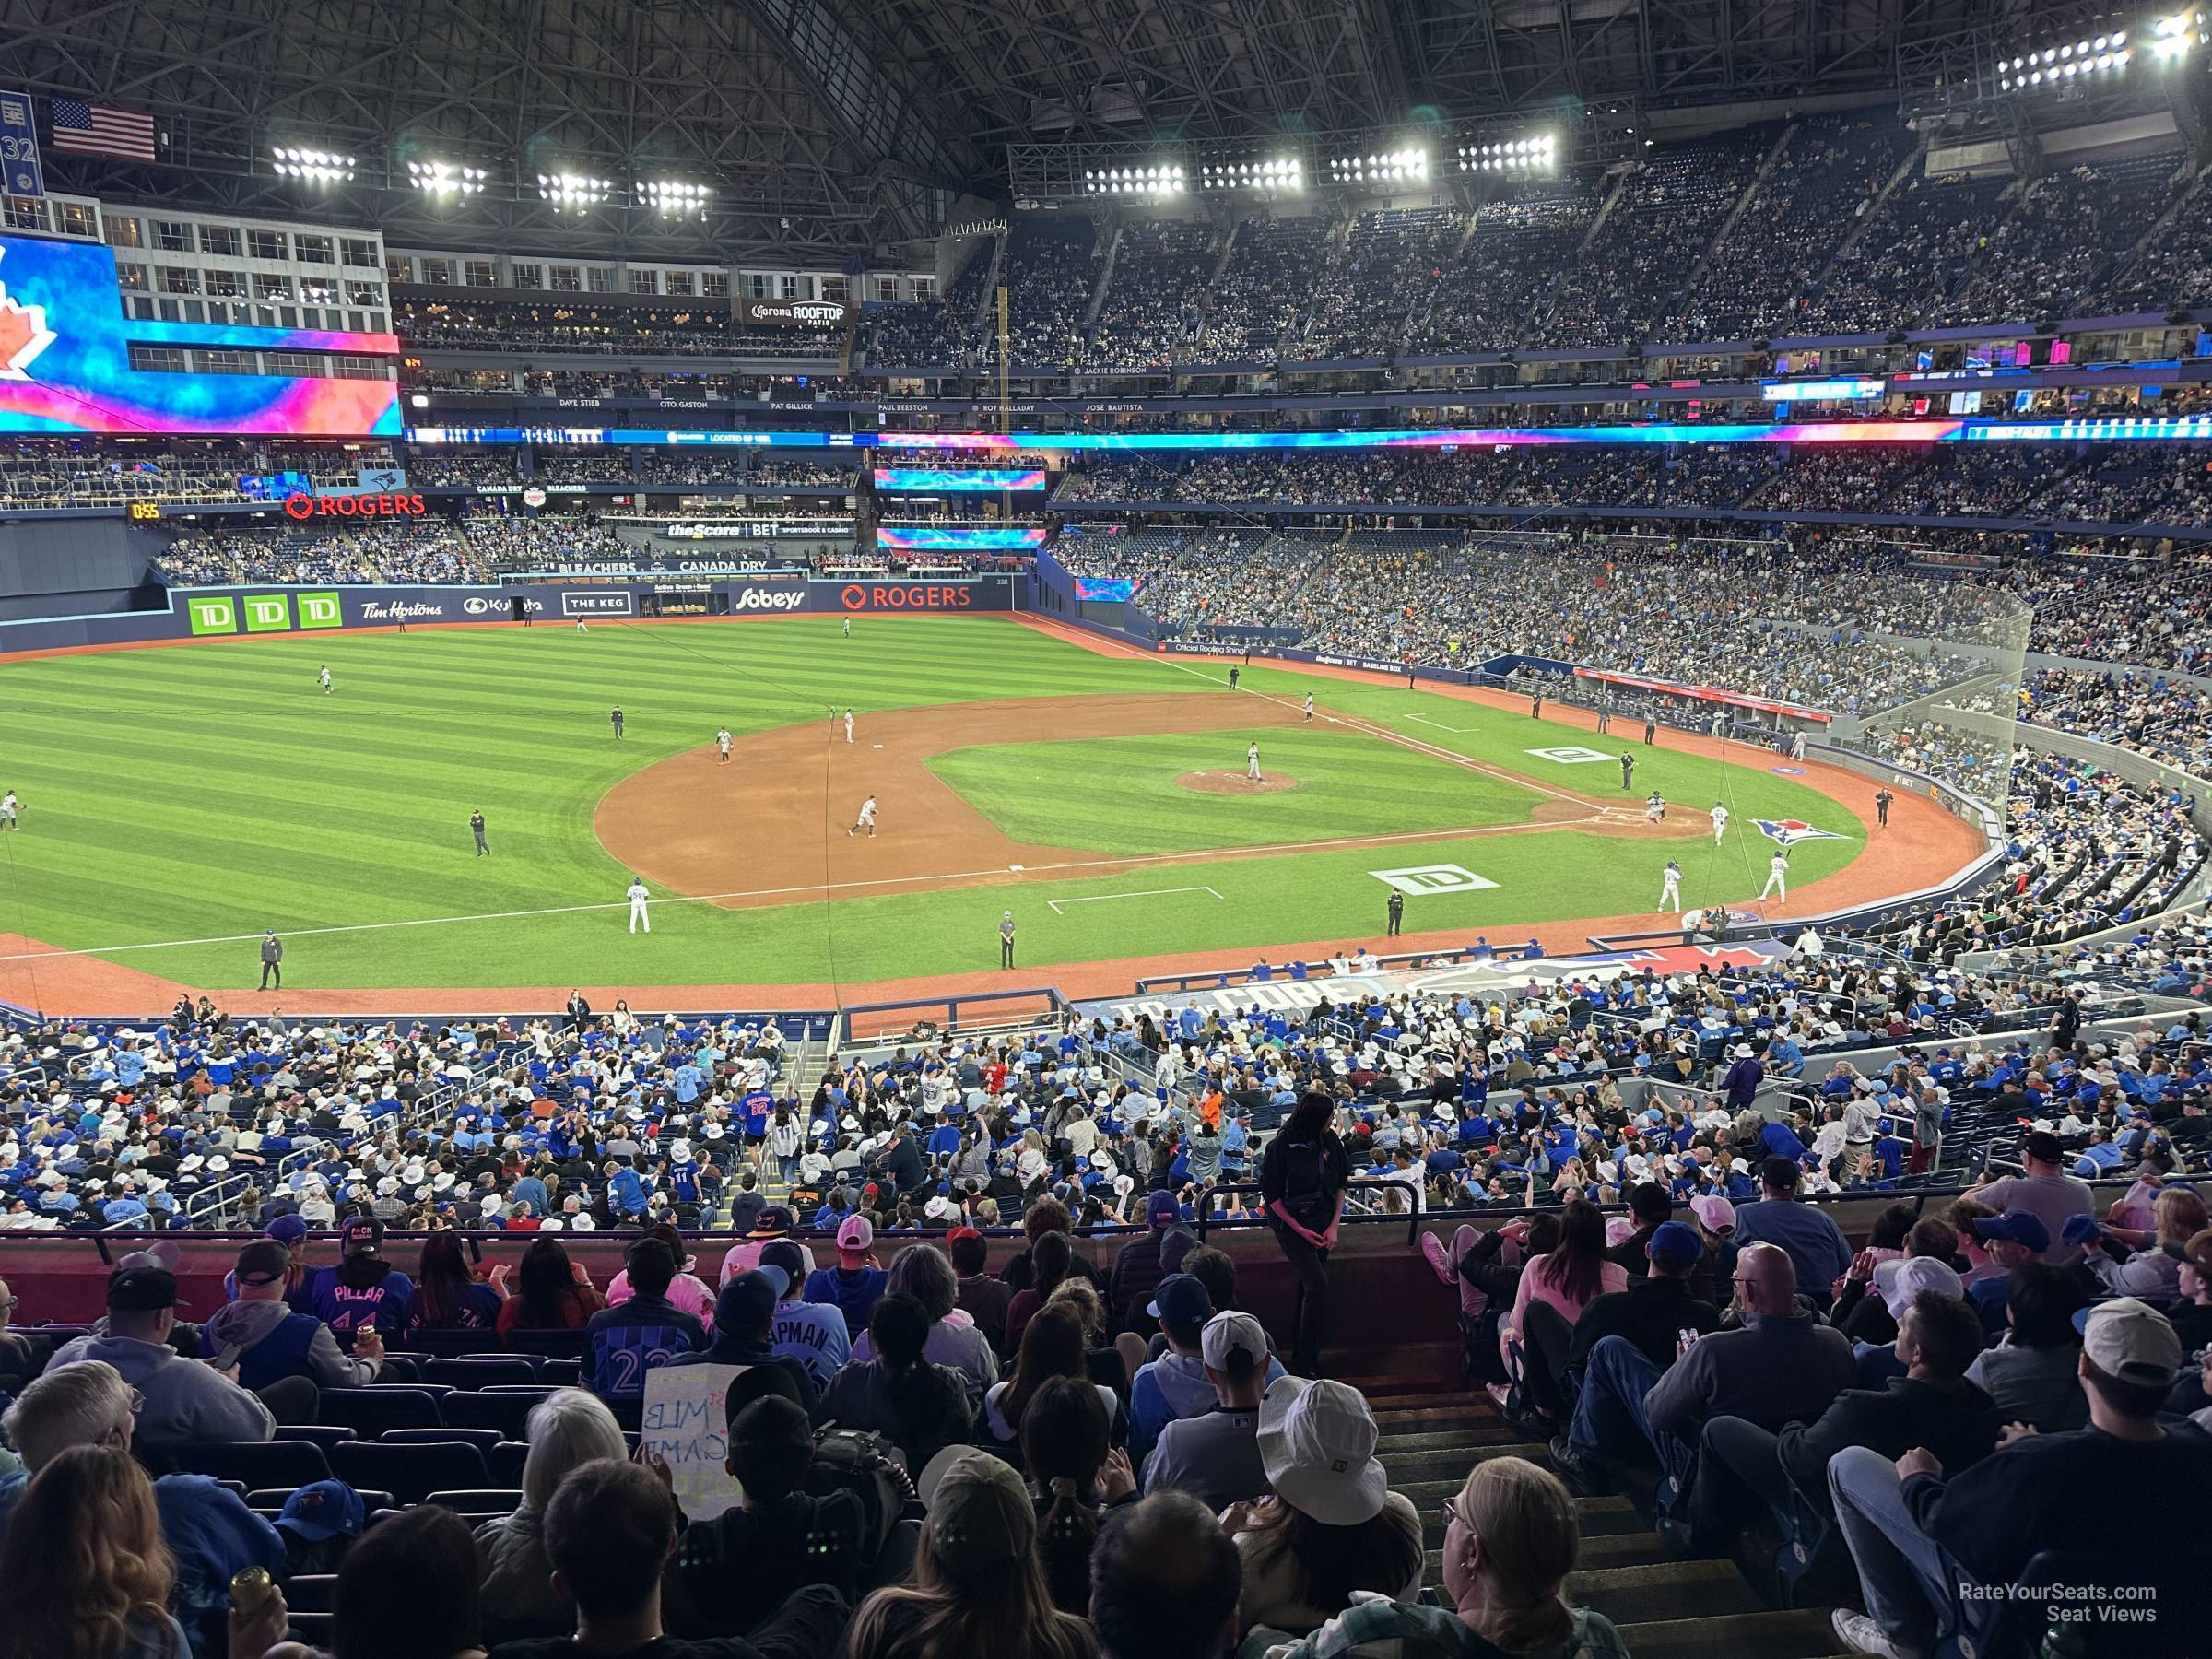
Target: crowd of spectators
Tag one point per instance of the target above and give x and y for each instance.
(1049, 280)
(1905, 258)
(1366, 295)
(940, 332)
(1103, 1451)
(584, 323)
(45, 474)
(2067, 231)
(1501, 273)
(1275, 265)
(1155, 296)
(1668, 213)
(409, 550)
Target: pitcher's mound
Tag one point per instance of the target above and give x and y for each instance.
(1236, 782)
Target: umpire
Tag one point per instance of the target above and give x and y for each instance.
(272, 960)
(1396, 909)
(1005, 940)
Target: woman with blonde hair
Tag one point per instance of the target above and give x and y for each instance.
(1510, 1542)
(978, 1587)
(84, 1574)
(2154, 1271)
(566, 1429)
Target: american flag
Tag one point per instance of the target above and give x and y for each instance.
(91, 129)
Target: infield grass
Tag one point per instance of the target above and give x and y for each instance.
(187, 793)
(1121, 794)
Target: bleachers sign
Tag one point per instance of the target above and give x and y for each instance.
(684, 1426)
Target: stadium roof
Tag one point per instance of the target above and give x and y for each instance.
(827, 128)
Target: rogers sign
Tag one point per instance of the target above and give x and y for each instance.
(907, 595)
(354, 506)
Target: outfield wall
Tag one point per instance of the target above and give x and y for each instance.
(278, 609)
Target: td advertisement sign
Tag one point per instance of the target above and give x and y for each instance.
(262, 613)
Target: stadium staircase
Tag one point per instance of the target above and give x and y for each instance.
(1666, 1607)
(1098, 294)
(1743, 206)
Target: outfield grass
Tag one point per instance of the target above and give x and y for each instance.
(186, 794)
(1119, 794)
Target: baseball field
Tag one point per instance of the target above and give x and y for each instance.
(176, 802)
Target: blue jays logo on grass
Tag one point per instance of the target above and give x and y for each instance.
(1788, 832)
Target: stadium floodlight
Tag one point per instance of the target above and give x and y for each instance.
(671, 197)
(1537, 151)
(315, 166)
(446, 178)
(1277, 173)
(2172, 35)
(571, 191)
(2095, 55)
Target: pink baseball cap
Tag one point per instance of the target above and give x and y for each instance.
(1715, 1211)
(855, 1237)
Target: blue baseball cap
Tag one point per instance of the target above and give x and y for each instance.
(288, 1227)
(2021, 1227)
(1675, 1244)
(323, 1510)
(1181, 1299)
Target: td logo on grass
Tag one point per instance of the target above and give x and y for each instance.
(1421, 881)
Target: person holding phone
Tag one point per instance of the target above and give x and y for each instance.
(1302, 1178)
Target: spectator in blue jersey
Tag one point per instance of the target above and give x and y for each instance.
(363, 1290)
(625, 1190)
(814, 1334)
(448, 1296)
(268, 1342)
(745, 1315)
(852, 1286)
(621, 1344)
(1816, 1245)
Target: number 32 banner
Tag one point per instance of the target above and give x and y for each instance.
(19, 147)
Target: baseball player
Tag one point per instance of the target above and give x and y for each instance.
(322, 674)
(616, 718)
(9, 807)
(848, 725)
(1719, 815)
(722, 742)
(847, 628)
(581, 626)
(475, 827)
(1006, 939)
(1796, 746)
(1778, 870)
(1670, 887)
(1251, 762)
(1881, 808)
(866, 820)
(1605, 717)
(1308, 708)
(1628, 771)
(1654, 809)
(638, 895)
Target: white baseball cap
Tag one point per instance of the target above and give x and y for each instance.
(1912, 1275)
(1229, 1333)
(2130, 1339)
(1317, 1445)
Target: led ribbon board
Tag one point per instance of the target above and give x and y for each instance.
(65, 362)
(957, 481)
(2193, 429)
(1011, 538)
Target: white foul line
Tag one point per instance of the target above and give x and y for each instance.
(1053, 905)
(1438, 724)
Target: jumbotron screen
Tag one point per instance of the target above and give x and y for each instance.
(65, 362)
(955, 480)
(1011, 537)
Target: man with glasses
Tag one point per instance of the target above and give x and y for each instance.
(1777, 1366)
(208, 1528)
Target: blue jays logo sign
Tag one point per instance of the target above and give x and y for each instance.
(1788, 832)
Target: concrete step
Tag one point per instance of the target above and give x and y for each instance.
(1803, 1634)
(1451, 1463)
(1666, 1590)
(1605, 1550)
(1492, 1433)
(1421, 1419)
(1601, 1517)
